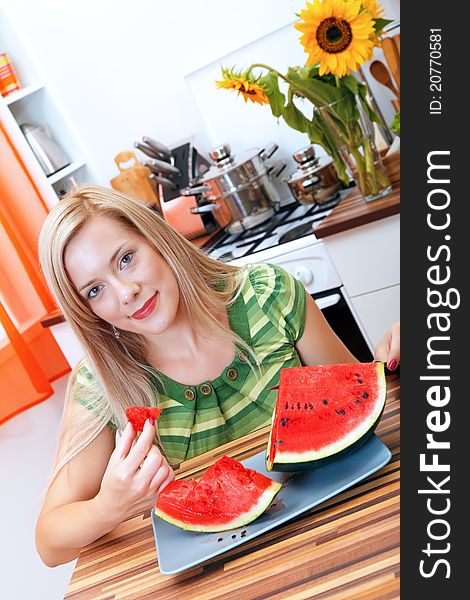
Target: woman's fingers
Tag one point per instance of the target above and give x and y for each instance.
(142, 447)
(124, 444)
(393, 358)
(151, 465)
(162, 478)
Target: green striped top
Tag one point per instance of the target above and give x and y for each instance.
(268, 314)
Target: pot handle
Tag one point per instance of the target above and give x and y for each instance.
(268, 151)
(276, 169)
(198, 210)
(190, 191)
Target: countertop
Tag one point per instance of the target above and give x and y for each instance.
(346, 547)
(353, 211)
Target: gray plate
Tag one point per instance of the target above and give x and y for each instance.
(178, 550)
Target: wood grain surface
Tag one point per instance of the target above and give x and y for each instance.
(353, 211)
(344, 548)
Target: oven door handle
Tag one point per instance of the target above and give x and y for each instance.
(327, 301)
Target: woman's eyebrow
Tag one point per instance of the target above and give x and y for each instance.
(111, 260)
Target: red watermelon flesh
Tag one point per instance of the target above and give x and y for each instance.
(137, 415)
(322, 411)
(227, 496)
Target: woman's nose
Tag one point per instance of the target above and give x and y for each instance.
(128, 291)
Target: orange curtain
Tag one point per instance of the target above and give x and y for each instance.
(30, 358)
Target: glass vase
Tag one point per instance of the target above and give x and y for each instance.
(353, 133)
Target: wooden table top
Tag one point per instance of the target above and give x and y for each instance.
(353, 211)
(345, 548)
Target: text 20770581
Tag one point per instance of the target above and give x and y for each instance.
(435, 71)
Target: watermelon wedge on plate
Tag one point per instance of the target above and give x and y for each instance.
(323, 412)
(227, 496)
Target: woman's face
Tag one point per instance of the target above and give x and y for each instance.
(123, 279)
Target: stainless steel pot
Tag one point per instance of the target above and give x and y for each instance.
(242, 184)
(314, 181)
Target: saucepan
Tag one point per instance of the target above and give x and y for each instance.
(240, 184)
(315, 181)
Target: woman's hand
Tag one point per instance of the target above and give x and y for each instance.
(388, 349)
(134, 476)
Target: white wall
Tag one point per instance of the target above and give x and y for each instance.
(117, 68)
(27, 447)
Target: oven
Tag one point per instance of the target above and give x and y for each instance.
(338, 313)
(288, 240)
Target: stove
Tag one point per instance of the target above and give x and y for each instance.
(289, 222)
(288, 240)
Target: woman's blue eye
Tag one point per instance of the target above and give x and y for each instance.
(126, 259)
(93, 292)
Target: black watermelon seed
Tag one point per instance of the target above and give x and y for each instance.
(287, 406)
(298, 405)
(343, 412)
(359, 381)
(305, 406)
(243, 533)
(279, 442)
(220, 539)
(284, 421)
(325, 401)
(357, 374)
(365, 395)
(292, 406)
(233, 536)
(310, 406)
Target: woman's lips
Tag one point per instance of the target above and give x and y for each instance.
(146, 309)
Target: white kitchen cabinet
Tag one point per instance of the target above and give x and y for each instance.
(377, 311)
(367, 259)
(34, 103)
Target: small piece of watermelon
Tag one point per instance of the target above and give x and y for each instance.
(322, 412)
(137, 415)
(227, 496)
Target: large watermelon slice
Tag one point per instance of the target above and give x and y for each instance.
(322, 412)
(227, 496)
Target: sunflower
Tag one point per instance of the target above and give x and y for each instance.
(337, 34)
(243, 83)
(373, 8)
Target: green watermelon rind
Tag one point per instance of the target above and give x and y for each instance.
(242, 520)
(316, 459)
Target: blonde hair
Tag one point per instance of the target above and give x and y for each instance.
(119, 366)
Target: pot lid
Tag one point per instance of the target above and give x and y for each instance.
(226, 162)
(308, 169)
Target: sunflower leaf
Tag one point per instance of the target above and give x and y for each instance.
(379, 25)
(317, 91)
(295, 118)
(362, 93)
(270, 85)
(351, 83)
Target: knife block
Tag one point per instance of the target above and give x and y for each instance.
(134, 180)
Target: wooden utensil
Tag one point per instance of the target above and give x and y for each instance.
(396, 39)
(392, 56)
(381, 74)
(134, 180)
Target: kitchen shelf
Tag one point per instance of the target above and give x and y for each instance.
(34, 103)
(65, 171)
(23, 93)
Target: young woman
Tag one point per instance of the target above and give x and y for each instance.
(161, 324)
